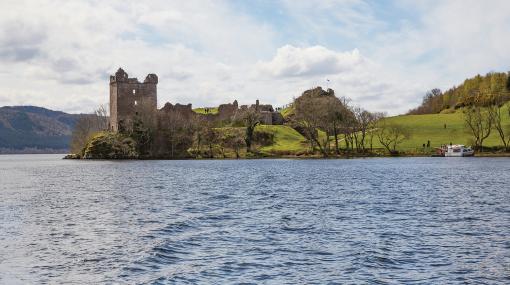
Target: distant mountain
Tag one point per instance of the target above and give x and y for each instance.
(30, 129)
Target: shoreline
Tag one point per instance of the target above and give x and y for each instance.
(297, 157)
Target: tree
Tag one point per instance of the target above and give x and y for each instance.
(232, 138)
(236, 143)
(478, 122)
(372, 132)
(432, 103)
(390, 135)
(143, 136)
(86, 126)
(466, 94)
(363, 120)
(83, 130)
(337, 114)
(210, 137)
(200, 126)
(101, 118)
(144, 128)
(317, 113)
(250, 118)
(336, 119)
(174, 135)
(497, 111)
(348, 129)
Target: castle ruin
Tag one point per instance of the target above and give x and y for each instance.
(130, 98)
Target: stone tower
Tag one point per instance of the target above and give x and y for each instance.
(130, 98)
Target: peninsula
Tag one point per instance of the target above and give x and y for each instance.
(318, 123)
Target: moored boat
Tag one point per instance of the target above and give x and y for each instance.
(458, 150)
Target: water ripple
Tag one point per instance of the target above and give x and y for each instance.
(359, 221)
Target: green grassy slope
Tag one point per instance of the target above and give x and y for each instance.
(422, 127)
(287, 111)
(286, 140)
(431, 127)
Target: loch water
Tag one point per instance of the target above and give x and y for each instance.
(346, 221)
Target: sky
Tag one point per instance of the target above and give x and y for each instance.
(383, 55)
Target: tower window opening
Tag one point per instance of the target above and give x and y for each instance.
(136, 103)
(134, 91)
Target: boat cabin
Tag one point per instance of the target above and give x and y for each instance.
(458, 150)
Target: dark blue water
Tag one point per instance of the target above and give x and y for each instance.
(362, 221)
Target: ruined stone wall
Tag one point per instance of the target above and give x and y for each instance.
(129, 98)
(266, 118)
(263, 108)
(185, 111)
(226, 111)
(277, 118)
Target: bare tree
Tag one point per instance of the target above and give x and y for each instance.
(315, 112)
(363, 120)
(210, 137)
(101, 117)
(174, 134)
(83, 130)
(236, 142)
(348, 127)
(200, 126)
(337, 115)
(336, 120)
(478, 122)
(372, 128)
(497, 111)
(390, 135)
(86, 126)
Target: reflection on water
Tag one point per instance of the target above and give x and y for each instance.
(404, 220)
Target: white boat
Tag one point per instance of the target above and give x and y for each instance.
(458, 150)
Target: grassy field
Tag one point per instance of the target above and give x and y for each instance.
(423, 128)
(286, 140)
(432, 127)
(212, 110)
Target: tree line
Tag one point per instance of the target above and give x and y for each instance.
(485, 115)
(177, 134)
(478, 90)
(330, 125)
(321, 117)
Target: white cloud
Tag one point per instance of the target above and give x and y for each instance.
(349, 73)
(316, 60)
(58, 54)
(450, 41)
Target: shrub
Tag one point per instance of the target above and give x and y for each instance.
(106, 145)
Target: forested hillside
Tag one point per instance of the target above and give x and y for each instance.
(481, 90)
(34, 129)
